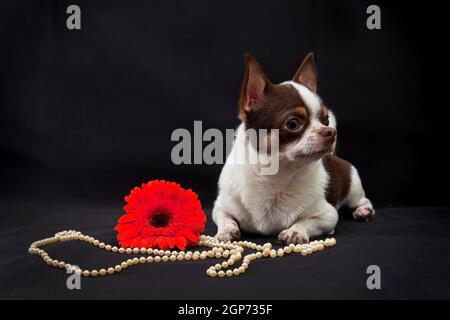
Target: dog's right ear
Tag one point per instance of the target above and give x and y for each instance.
(307, 73)
(254, 85)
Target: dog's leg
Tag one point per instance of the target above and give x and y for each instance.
(357, 200)
(305, 228)
(227, 227)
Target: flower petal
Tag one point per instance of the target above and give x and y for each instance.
(190, 235)
(161, 242)
(170, 242)
(180, 242)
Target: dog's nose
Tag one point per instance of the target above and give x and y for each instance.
(327, 132)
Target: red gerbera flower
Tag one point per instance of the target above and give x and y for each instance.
(161, 214)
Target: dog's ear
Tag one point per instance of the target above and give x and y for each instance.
(254, 85)
(307, 73)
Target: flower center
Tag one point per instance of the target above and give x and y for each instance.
(160, 220)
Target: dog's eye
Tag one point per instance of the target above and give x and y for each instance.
(293, 123)
(325, 121)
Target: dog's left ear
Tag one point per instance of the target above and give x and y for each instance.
(307, 73)
(254, 85)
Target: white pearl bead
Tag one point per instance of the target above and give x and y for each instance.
(135, 250)
(124, 265)
(149, 259)
(121, 250)
(267, 245)
(213, 273)
(102, 272)
(118, 268)
(102, 245)
(157, 259)
(142, 260)
(128, 250)
(96, 242)
(86, 273)
(229, 273)
(111, 270)
(221, 273)
(94, 273)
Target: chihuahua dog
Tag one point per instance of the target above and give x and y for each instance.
(301, 199)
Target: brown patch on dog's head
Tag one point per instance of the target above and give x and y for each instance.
(291, 107)
(264, 105)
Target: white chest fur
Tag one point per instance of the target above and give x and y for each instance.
(271, 203)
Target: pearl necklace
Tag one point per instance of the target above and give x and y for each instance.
(231, 251)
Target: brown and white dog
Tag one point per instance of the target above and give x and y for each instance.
(301, 200)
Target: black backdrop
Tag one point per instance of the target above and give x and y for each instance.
(86, 115)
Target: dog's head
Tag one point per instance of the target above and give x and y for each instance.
(306, 127)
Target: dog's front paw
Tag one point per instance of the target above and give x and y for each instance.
(290, 236)
(229, 234)
(363, 213)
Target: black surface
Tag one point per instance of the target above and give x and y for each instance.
(87, 115)
(411, 246)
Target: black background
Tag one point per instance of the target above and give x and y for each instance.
(86, 115)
